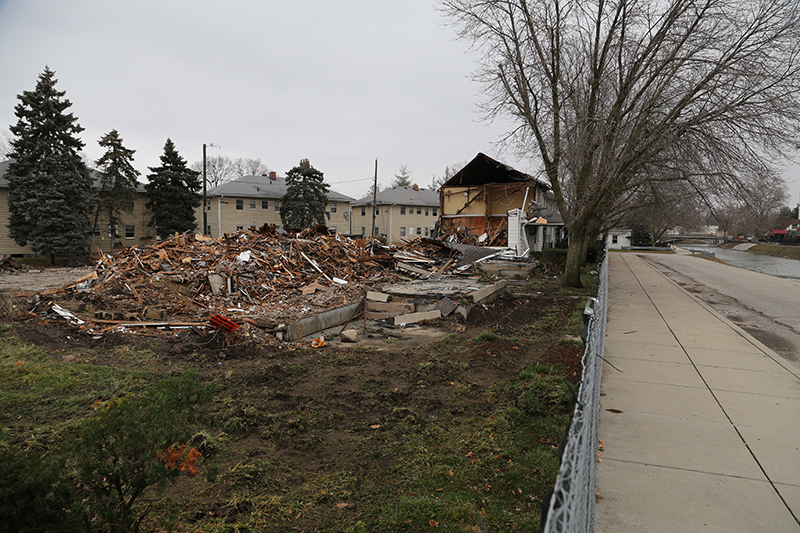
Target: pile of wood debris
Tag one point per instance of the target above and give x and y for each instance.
(267, 277)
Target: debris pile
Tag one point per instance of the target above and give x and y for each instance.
(253, 273)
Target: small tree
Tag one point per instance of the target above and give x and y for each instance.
(306, 198)
(403, 179)
(51, 197)
(173, 193)
(117, 182)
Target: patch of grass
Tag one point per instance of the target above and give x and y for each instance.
(776, 250)
(488, 336)
(41, 389)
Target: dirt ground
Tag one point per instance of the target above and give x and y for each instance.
(29, 280)
(337, 408)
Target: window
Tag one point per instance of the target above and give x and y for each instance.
(332, 228)
(334, 208)
(363, 211)
(252, 204)
(411, 231)
(402, 210)
(363, 230)
(129, 203)
(208, 205)
(130, 231)
(240, 205)
(426, 232)
(377, 230)
(239, 227)
(208, 229)
(436, 211)
(419, 210)
(277, 204)
(402, 231)
(377, 210)
(426, 211)
(95, 231)
(419, 231)
(613, 239)
(264, 204)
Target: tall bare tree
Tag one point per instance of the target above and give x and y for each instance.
(608, 93)
(220, 169)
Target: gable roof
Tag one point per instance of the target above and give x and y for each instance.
(263, 187)
(483, 170)
(402, 196)
(94, 173)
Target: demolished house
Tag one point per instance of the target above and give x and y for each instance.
(268, 285)
(488, 203)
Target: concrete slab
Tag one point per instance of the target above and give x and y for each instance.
(640, 336)
(646, 352)
(666, 373)
(778, 452)
(694, 403)
(696, 445)
(734, 379)
(741, 360)
(761, 410)
(635, 498)
(790, 495)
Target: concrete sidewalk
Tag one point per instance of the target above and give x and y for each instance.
(700, 423)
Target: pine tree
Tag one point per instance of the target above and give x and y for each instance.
(117, 182)
(173, 194)
(306, 198)
(51, 198)
(403, 179)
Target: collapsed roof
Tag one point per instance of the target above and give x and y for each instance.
(483, 169)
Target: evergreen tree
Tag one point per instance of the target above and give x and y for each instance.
(403, 179)
(117, 182)
(306, 198)
(173, 194)
(51, 198)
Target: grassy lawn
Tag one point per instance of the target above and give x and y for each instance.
(395, 434)
(776, 250)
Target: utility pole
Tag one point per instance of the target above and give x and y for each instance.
(205, 194)
(374, 198)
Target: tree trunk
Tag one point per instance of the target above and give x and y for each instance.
(576, 257)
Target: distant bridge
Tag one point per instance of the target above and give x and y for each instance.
(693, 237)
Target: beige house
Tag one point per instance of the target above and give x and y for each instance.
(252, 201)
(401, 213)
(131, 231)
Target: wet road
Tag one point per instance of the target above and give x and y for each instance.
(767, 307)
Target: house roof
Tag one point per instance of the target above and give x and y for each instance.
(783, 224)
(263, 187)
(95, 176)
(402, 196)
(552, 217)
(483, 170)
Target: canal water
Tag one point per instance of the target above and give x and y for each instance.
(776, 266)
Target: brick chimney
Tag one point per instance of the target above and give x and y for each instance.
(272, 175)
(415, 187)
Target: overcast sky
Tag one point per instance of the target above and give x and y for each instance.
(341, 83)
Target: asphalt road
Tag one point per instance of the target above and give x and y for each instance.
(765, 306)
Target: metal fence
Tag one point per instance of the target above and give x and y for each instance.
(572, 505)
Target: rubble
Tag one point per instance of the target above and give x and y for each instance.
(269, 281)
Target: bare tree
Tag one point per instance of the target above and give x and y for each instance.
(660, 206)
(609, 93)
(249, 167)
(220, 169)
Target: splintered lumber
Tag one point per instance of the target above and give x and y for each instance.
(414, 270)
(378, 296)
